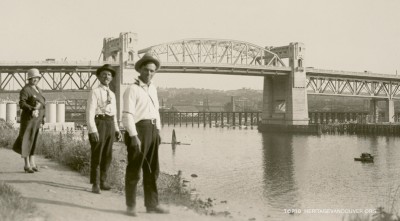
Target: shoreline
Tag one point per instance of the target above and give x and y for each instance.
(63, 194)
(74, 153)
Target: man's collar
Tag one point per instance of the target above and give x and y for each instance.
(141, 83)
(103, 86)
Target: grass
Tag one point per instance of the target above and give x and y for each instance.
(73, 150)
(13, 206)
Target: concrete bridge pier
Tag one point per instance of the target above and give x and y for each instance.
(285, 105)
(374, 110)
(389, 111)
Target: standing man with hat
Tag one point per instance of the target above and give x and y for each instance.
(141, 118)
(101, 118)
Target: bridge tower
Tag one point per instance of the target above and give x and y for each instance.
(124, 51)
(285, 97)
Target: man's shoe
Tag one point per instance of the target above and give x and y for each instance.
(105, 186)
(131, 211)
(156, 209)
(96, 189)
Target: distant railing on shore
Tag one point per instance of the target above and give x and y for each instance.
(212, 119)
(347, 117)
(361, 123)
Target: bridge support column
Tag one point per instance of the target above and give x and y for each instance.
(373, 110)
(285, 105)
(297, 103)
(268, 101)
(389, 111)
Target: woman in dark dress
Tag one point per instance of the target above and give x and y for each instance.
(32, 104)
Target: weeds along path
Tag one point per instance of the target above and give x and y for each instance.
(63, 194)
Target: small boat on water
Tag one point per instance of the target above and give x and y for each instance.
(365, 157)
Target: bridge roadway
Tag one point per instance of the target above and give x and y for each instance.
(80, 76)
(17, 67)
(56, 66)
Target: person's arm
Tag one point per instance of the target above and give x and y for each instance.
(129, 110)
(23, 100)
(118, 135)
(91, 112)
(127, 118)
(157, 106)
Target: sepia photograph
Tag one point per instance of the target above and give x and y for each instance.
(177, 110)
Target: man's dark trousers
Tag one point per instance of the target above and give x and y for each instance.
(144, 157)
(102, 151)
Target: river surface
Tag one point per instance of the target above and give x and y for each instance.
(263, 176)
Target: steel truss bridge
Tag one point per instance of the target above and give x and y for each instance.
(355, 84)
(56, 76)
(201, 56)
(215, 56)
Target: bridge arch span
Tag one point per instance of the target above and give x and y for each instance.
(198, 53)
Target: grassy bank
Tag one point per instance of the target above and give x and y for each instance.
(13, 206)
(73, 149)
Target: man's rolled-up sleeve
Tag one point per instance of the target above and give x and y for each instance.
(129, 110)
(91, 112)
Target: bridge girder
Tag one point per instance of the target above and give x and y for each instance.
(379, 89)
(65, 80)
(55, 76)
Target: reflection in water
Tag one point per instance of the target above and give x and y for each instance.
(260, 175)
(173, 145)
(280, 187)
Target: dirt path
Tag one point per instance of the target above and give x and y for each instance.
(63, 194)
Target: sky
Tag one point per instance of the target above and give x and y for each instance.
(352, 35)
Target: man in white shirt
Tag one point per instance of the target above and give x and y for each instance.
(141, 119)
(101, 117)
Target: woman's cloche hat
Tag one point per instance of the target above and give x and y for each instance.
(33, 73)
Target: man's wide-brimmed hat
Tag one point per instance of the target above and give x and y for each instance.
(147, 58)
(33, 73)
(106, 67)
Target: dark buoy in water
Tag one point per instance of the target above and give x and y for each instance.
(173, 137)
(173, 142)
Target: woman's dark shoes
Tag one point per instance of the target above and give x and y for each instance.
(35, 168)
(105, 186)
(28, 170)
(156, 209)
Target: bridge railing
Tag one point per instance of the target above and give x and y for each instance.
(90, 63)
(191, 64)
(212, 119)
(364, 74)
(348, 117)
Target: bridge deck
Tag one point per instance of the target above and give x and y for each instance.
(349, 74)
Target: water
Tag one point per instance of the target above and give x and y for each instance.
(262, 175)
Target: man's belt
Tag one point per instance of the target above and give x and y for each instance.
(103, 116)
(147, 121)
